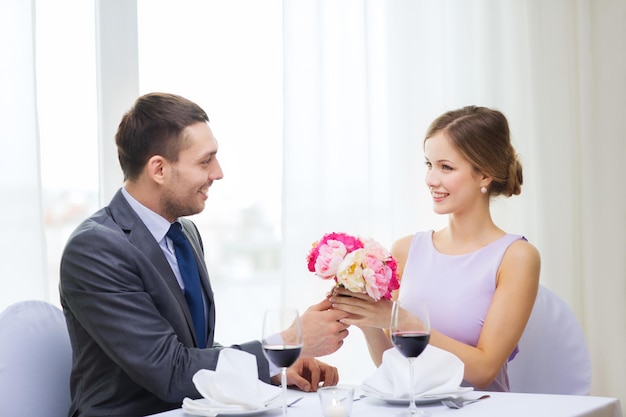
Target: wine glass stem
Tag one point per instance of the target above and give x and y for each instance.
(283, 385)
(412, 407)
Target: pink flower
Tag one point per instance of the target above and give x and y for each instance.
(377, 277)
(376, 249)
(359, 265)
(350, 242)
(329, 256)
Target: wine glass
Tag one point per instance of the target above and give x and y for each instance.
(282, 342)
(410, 333)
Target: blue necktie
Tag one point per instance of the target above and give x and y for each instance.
(191, 278)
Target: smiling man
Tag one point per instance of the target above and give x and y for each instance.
(135, 290)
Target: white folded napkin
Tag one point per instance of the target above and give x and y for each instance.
(234, 385)
(436, 372)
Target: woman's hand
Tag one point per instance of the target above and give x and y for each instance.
(363, 311)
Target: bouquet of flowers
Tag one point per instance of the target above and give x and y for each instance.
(359, 265)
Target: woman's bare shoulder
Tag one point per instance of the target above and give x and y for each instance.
(522, 251)
(401, 245)
(521, 260)
(400, 251)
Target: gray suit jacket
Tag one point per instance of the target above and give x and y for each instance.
(134, 347)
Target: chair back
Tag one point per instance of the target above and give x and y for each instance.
(553, 355)
(35, 361)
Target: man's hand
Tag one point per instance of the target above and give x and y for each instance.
(323, 332)
(307, 373)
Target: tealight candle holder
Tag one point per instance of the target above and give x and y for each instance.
(336, 401)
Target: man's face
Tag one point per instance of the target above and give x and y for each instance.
(187, 183)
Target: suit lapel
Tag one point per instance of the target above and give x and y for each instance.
(139, 235)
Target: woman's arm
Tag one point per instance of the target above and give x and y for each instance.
(517, 282)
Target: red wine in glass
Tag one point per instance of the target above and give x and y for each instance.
(282, 356)
(410, 334)
(282, 342)
(410, 344)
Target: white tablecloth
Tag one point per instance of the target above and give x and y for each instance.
(499, 405)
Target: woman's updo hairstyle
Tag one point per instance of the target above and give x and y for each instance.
(482, 136)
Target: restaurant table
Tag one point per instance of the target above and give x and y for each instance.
(500, 404)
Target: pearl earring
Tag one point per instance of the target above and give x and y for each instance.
(483, 190)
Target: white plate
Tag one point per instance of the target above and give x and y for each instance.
(196, 408)
(424, 399)
(248, 412)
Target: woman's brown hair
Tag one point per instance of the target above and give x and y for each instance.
(482, 136)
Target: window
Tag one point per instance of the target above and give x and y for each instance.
(225, 56)
(68, 129)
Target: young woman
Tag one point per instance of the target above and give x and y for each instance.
(478, 282)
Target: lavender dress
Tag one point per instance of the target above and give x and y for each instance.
(457, 289)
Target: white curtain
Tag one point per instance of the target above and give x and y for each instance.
(22, 248)
(362, 80)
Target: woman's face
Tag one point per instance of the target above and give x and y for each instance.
(453, 183)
